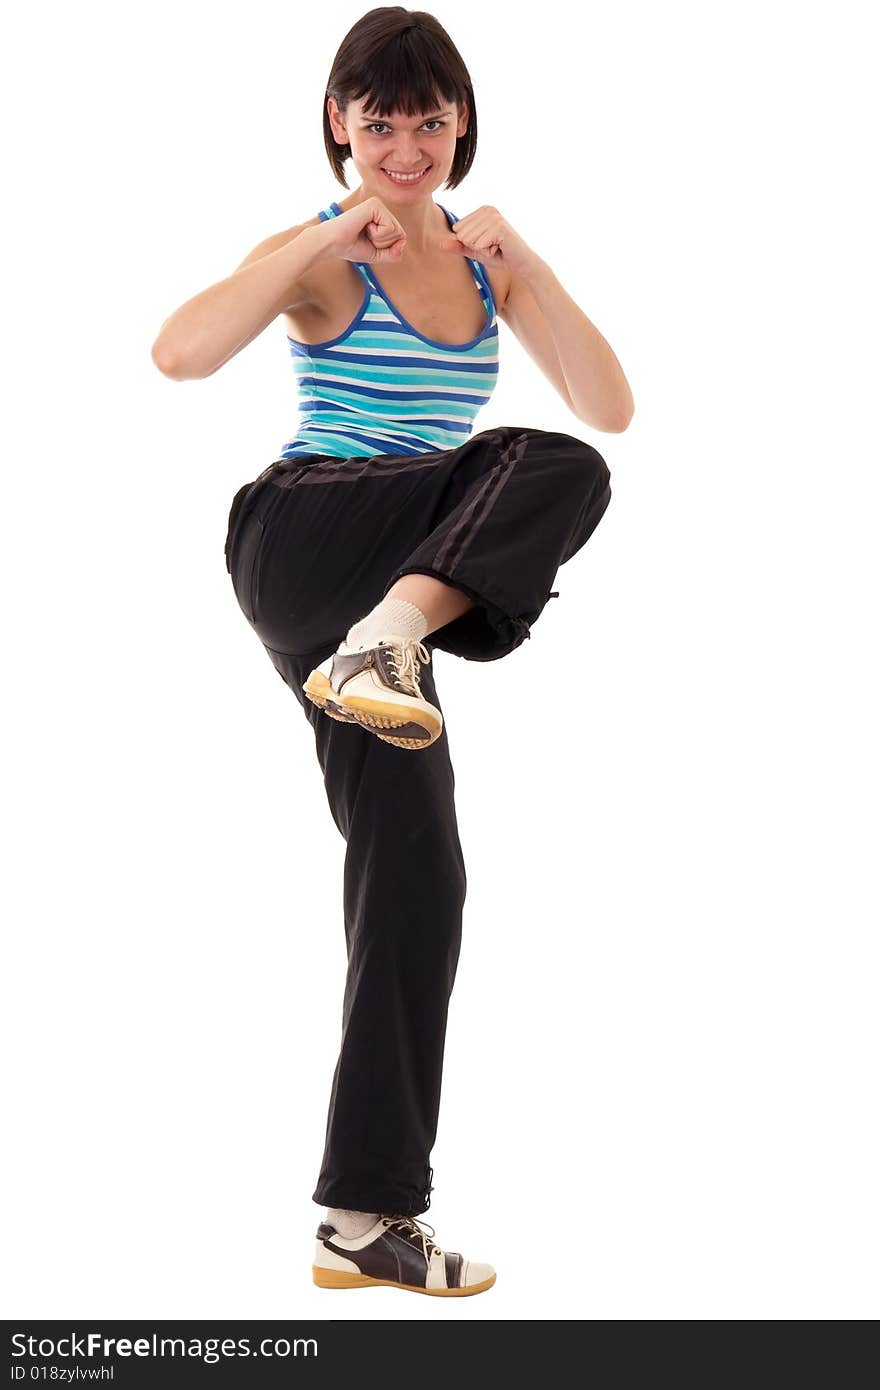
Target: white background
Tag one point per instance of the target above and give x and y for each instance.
(660, 1092)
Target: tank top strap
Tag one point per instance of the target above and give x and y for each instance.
(484, 280)
(334, 210)
(477, 270)
(479, 274)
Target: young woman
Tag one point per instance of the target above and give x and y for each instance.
(386, 528)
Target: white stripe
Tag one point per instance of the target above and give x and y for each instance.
(330, 379)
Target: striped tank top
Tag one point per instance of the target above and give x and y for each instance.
(383, 388)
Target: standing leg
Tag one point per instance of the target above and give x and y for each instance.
(404, 892)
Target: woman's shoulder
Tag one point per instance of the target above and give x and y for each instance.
(327, 288)
(311, 289)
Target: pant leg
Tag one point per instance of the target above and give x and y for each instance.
(529, 499)
(404, 886)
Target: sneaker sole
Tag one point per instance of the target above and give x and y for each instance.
(374, 715)
(341, 1279)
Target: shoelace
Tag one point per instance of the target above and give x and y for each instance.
(411, 1227)
(402, 655)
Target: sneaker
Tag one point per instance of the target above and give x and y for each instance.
(396, 1252)
(379, 689)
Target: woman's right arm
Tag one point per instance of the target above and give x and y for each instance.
(205, 332)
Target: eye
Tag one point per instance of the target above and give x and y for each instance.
(374, 124)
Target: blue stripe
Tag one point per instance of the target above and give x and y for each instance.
(389, 365)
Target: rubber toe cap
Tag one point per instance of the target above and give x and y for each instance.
(475, 1273)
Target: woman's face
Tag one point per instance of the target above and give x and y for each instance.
(402, 144)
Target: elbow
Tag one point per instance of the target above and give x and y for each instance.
(622, 419)
(620, 415)
(613, 419)
(622, 423)
(173, 364)
(165, 360)
(611, 424)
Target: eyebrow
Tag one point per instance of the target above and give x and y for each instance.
(432, 117)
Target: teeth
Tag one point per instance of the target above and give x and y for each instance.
(406, 178)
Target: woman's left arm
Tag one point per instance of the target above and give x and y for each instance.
(599, 392)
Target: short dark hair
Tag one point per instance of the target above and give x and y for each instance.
(404, 60)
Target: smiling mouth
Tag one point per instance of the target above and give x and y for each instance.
(412, 176)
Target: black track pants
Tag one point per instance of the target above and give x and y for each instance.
(312, 545)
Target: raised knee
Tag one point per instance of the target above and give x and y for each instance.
(589, 465)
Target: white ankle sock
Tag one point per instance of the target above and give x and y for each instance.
(392, 617)
(351, 1224)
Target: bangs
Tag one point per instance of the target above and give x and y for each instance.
(408, 80)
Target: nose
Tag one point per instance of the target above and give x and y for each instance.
(408, 157)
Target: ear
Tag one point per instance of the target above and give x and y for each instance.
(462, 121)
(337, 125)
